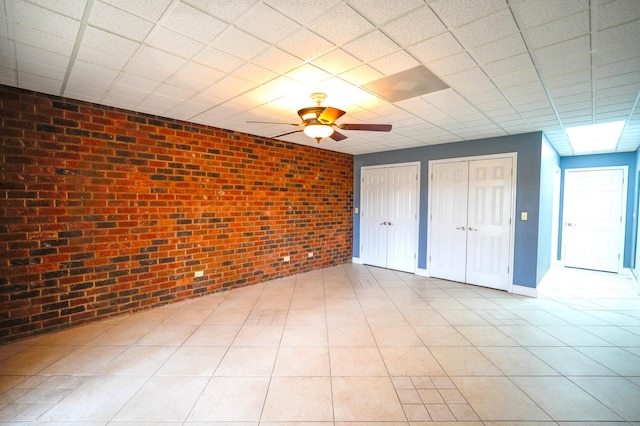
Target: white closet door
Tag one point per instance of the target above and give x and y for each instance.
(373, 213)
(389, 217)
(402, 218)
(489, 228)
(470, 221)
(448, 236)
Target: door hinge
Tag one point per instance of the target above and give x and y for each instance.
(414, 256)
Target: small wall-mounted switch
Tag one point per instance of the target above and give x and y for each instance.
(199, 273)
(286, 259)
(355, 210)
(524, 216)
(310, 254)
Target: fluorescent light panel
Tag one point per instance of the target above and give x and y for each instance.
(595, 138)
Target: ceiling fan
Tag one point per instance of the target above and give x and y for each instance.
(319, 122)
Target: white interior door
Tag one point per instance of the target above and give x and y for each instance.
(373, 213)
(470, 221)
(389, 217)
(449, 189)
(402, 218)
(489, 228)
(593, 225)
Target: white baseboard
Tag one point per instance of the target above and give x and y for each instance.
(422, 272)
(356, 260)
(524, 291)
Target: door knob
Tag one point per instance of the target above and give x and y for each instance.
(461, 228)
(390, 224)
(471, 229)
(383, 223)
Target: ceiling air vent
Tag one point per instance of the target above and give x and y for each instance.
(418, 81)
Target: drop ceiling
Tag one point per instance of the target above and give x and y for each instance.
(512, 66)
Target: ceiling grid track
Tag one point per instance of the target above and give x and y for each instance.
(76, 46)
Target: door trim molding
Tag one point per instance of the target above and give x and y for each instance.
(514, 158)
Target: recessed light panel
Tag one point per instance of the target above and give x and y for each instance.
(595, 138)
(414, 82)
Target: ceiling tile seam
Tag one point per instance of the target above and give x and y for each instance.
(593, 25)
(76, 46)
(628, 120)
(382, 24)
(8, 10)
(518, 20)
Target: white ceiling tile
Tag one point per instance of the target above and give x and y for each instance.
(39, 83)
(569, 65)
(371, 46)
(277, 60)
(119, 22)
(45, 41)
(436, 48)
(341, 24)
(415, 27)
(133, 81)
(229, 87)
(305, 44)
(493, 27)
(614, 13)
(559, 31)
(172, 42)
(452, 64)
(83, 93)
(394, 63)
(108, 42)
(631, 78)
(29, 15)
(160, 59)
(617, 68)
(267, 24)
(300, 10)
(308, 74)
(337, 61)
(227, 11)
(562, 51)
(473, 75)
(617, 53)
(254, 73)
(104, 59)
(499, 50)
(193, 84)
(172, 91)
(528, 89)
(456, 13)
(240, 44)
(147, 9)
(218, 59)
(40, 56)
(563, 80)
(91, 75)
(199, 72)
(39, 69)
(194, 23)
(516, 78)
(533, 13)
(361, 75)
(505, 66)
(617, 35)
(381, 11)
(71, 8)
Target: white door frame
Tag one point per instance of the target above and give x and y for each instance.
(623, 213)
(514, 157)
(387, 166)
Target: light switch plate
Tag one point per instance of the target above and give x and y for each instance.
(524, 216)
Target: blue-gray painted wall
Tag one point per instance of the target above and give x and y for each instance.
(549, 160)
(528, 147)
(608, 160)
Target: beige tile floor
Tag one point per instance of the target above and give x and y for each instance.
(349, 345)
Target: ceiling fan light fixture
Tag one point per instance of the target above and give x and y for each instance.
(318, 131)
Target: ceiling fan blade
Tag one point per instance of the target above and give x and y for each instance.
(272, 122)
(336, 136)
(330, 114)
(288, 133)
(370, 127)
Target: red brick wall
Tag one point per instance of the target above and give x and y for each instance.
(105, 211)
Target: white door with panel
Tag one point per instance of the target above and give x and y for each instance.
(389, 217)
(470, 218)
(593, 225)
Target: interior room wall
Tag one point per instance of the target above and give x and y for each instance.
(528, 148)
(106, 211)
